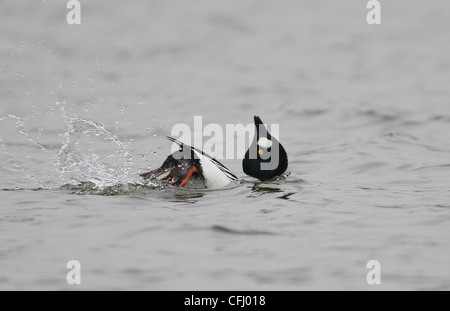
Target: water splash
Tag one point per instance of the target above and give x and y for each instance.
(18, 157)
(20, 126)
(83, 155)
(90, 188)
(86, 156)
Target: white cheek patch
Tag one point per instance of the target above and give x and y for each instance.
(264, 143)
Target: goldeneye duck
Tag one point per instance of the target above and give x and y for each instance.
(266, 158)
(190, 167)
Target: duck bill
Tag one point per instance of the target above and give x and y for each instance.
(157, 173)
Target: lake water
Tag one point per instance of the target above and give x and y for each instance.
(363, 113)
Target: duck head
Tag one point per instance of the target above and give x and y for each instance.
(266, 158)
(179, 166)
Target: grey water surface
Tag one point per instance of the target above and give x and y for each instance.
(363, 110)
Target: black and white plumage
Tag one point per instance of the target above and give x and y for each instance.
(266, 158)
(190, 167)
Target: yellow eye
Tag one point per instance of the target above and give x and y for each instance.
(260, 152)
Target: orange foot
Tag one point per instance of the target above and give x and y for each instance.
(189, 175)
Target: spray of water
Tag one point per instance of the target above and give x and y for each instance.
(90, 160)
(94, 160)
(77, 161)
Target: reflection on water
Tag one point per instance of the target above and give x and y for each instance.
(162, 191)
(223, 229)
(288, 185)
(258, 188)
